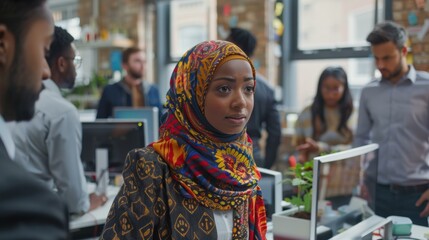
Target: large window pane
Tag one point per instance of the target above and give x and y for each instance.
(191, 21)
(325, 24)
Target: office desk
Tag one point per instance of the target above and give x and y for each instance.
(417, 232)
(97, 216)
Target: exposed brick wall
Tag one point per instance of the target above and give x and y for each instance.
(420, 48)
(255, 16)
(115, 15)
(123, 16)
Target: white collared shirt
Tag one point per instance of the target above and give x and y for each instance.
(50, 146)
(7, 138)
(223, 220)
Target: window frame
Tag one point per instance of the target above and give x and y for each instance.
(328, 53)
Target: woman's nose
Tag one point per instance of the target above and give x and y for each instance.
(239, 100)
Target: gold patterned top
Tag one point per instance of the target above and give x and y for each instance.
(149, 204)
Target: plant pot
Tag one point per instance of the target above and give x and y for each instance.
(287, 227)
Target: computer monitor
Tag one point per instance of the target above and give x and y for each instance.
(151, 114)
(87, 115)
(271, 187)
(345, 181)
(117, 136)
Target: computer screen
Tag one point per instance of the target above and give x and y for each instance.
(344, 192)
(151, 114)
(116, 135)
(271, 187)
(87, 115)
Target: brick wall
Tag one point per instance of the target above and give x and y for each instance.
(255, 16)
(419, 48)
(118, 16)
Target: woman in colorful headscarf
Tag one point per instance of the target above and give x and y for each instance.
(199, 181)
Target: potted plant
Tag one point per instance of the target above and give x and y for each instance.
(295, 222)
(87, 95)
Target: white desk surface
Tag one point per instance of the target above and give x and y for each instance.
(97, 216)
(417, 232)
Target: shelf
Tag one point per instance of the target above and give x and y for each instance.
(114, 43)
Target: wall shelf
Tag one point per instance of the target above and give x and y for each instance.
(113, 43)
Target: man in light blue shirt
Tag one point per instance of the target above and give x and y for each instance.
(394, 112)
(50, 145)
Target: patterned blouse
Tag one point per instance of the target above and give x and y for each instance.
(150, 206)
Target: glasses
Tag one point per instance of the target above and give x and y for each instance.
(338, 89)
(77, 60)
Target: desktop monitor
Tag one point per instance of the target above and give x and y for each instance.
(87, 115)
(344, 192)
(271, 187)
(151, 114)
(115, 135)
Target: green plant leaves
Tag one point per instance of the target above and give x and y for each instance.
(301, 176)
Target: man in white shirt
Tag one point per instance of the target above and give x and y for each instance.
(50, 144)
(28, 209)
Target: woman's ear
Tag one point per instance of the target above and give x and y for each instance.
(7, 45)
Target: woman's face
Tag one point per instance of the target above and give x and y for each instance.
(229, 100)
(332, 91)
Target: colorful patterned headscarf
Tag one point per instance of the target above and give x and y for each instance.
(215, 168)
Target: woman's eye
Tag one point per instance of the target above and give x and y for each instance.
(223, 89)
(250, 89)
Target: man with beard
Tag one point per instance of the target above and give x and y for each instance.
(28, 209)
(394, 112)
(50, 144)
(132, 91)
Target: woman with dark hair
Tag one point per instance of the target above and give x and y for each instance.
(323, 126)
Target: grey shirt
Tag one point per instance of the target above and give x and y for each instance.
(396, 116)
(50, 146)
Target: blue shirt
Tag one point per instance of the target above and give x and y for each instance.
(396, 116)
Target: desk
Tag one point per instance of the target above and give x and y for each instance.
(419, 231)
(97, 216)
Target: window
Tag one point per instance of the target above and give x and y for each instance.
(191, 22)
(332, 28)
(325, 33)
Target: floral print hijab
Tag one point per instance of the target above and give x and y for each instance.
(214, 168)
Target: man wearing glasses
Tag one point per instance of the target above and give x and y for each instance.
(50, 144)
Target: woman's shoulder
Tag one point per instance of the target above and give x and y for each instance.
(145, 161)
(305, 114)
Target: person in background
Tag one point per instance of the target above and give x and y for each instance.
(199, 181)
(394, 112)
(323, 126)
(49, 146)
(132, 91)
(265, 114)
(28, 209)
